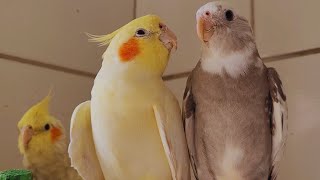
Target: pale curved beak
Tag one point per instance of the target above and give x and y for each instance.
(168, 38)
(205, 28)
(26, 134)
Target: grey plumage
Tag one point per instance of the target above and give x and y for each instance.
(235, 122)
(222, 109)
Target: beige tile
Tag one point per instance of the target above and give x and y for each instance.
(286, 26)
(177, 86)
(300, 77)
(179, 15)
(53, 31)
(21, 87)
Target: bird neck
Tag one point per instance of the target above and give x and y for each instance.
(113, 70)
(233, 63)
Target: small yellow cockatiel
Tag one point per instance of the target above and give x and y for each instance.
(131, 129)
(43, 144)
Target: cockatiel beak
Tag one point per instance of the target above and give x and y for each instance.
(26, 133)
(205, 25)
(168, 38)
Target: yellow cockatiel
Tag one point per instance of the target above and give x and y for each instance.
(43, 144)
(131, 129)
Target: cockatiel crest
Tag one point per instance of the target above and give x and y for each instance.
(103, 40)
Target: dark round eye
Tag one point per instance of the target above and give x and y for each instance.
(229, 15)
(141, 32)
(160, 26)
(47, 127)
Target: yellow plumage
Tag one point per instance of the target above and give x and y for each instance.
(104, 39)
(37, 114)
(131, 128)
(42, 143)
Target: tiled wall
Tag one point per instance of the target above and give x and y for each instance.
(43, 46)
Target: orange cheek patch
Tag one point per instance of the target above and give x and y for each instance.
(55, 133)
(129, 50)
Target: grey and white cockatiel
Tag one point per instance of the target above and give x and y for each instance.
(234, 107)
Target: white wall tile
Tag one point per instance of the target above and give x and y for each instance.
(52, 31)
(21, 87)
(300, 77)
(179, 15)
(286, 26)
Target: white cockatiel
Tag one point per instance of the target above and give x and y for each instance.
(234, 107)
(132, 128)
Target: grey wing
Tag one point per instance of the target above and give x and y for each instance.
(278, 120)
(188, 110)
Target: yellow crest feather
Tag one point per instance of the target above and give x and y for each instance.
(43, 105)
(103, 40)
(40, 109)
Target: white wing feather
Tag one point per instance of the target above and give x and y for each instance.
(279, 122)
(171, 131)
(82, 149)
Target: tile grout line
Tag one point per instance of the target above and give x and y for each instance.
(252, 9)
(47, 65)
(165, 77)
(176, 76)
(134, 9)
(294, 54)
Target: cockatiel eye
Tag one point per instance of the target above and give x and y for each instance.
(47, 127)
(141, 33)
(229, 15)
